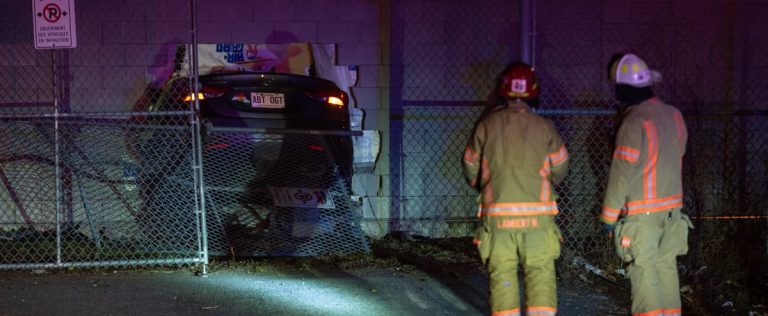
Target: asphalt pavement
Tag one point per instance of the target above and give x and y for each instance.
(267, 291)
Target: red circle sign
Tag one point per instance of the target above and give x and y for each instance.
(51, 12)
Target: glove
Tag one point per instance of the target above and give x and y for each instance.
(608, 230)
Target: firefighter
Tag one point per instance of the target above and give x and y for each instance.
(513, 158)
(644, 195)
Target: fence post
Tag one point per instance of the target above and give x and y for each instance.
(527, 33)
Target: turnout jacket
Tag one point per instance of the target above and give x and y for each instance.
(512, 158)
(646, 170)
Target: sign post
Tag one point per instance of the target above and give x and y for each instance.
(54, 22)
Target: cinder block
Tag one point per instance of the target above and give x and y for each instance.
(124, 31)
(214, 32)
(251, 32)
(360, 54)
(290, 32)
(85, 77)
(163, 32)
(359, 11)
(142, 54)
(338, 32)
(366, 97)
(319, 10)
(366, 184)
(88, 31)
(229, 11)
(123, 77)
(171, 10)
(275, 10)
(111, 54)
(373, 33)
(375, 75)
(376, 119)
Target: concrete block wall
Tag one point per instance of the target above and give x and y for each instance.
(449, 51)
(705, 50)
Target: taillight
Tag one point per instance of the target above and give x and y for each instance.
(336, 99)
(207, 92)
(191, 96)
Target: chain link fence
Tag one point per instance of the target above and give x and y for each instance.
(716, 80)
(280, 194)
(102, 159)
(89, 158)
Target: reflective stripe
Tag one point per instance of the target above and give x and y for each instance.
(470, 156)
(680, 127)
(541, 310)
(545, 185)
(651, 313)
(487, 186)
(509, 312)
(672, 312)
(655, 205)
(520, 209)
(486, 177)
(626, 153)
(610, 214)
(649, 172)
(557, 158)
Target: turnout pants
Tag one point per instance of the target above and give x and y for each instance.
(650, 243)
(535, 250)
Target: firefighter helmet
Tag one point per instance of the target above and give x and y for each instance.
(633, 71)
(519, 82)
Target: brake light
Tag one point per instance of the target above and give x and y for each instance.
(190, 97)
(207, 92)
(336, 99)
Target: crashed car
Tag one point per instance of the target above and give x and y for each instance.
(272, 100)
(275, 149)
(277, 104)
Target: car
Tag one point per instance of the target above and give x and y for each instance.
(272, 100)
(277, 158)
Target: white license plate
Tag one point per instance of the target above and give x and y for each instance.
(301, 197)
(267, 100)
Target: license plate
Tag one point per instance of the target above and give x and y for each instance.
(301, 197)
(267, 100)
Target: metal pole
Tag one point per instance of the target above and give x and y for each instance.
(198, 146)
(57, 154)
(526, 31)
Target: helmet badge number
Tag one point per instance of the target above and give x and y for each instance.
(518, 85)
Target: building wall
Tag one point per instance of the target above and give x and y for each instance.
(439, 51)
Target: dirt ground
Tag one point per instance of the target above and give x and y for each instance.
(580, 290)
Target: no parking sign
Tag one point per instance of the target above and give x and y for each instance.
(54, 22)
